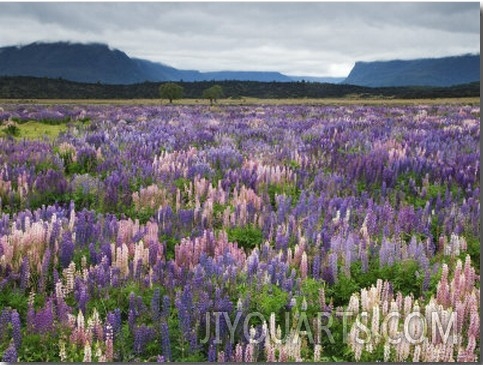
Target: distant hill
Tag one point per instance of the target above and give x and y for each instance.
(91, 63)
(445, 71)
(97, 63)
(161, 72)
(75, 62)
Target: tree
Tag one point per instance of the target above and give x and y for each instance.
(171, 91)
(213, 93)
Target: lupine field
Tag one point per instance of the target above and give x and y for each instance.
(240, 233)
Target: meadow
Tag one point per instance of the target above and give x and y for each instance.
(343, 231)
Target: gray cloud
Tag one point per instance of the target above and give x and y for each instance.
(293, 38)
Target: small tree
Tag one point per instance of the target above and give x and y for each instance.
(171, 91)
(213, 93)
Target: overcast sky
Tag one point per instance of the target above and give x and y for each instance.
(310, 39)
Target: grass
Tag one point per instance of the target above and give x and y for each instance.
(36, 130)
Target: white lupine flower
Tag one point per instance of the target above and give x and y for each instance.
(87, 352)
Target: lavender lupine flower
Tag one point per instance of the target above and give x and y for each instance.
(165, 341)
(81, 294)
(5, 318)
(10, 354)
(44, 319)
(252, 263)
(114, 319)
(132, 312)
(16, 329)
(51, 183)
(166, 307)
(142, 336)
(184, 303)
(54, 235)
(228, 352)
(332, 268)
(24, 274)
(86, 228)
(93, 254)
(66, 249)
(106, 252)
(154, 250)
(212, 357)
(44, 270)
(155, 306)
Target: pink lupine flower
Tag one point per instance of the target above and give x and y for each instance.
(239, 353)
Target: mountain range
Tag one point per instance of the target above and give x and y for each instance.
(97, 63)
(447, 71)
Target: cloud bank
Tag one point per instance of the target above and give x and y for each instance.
(311, 39)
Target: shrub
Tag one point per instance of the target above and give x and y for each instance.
(247, 237)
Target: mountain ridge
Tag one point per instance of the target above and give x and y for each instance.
(99, 63)
(444, 71)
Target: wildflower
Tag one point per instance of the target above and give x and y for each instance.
(10, 354)
(16, 329)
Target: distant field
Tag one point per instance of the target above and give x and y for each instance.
(253, 101)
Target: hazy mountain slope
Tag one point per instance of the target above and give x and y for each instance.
(76, 62)
(246, 76)
(445, 71)
(98, 63)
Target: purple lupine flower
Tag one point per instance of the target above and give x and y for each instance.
(212, 352)
(66, 250)
(87, 158)
(186, 217)
(44, 318)
(166, 307)
(5, 318)
(165, 341)
(86, 229)
(92, 254)
(16, 329)
(45, 269)
(332, 268)
(155, 306)
(142, 336)
(56, 229)
(132, 313)
(10, 354)
(387, 253)
(106, 251)
(228, 352)
(114, 319)
(139, 270)
(316, 267)
(154, 250)
(81, 294)
(51, 183)
(184, 304)
(252, 263)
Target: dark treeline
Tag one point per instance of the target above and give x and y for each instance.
(22, 87)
